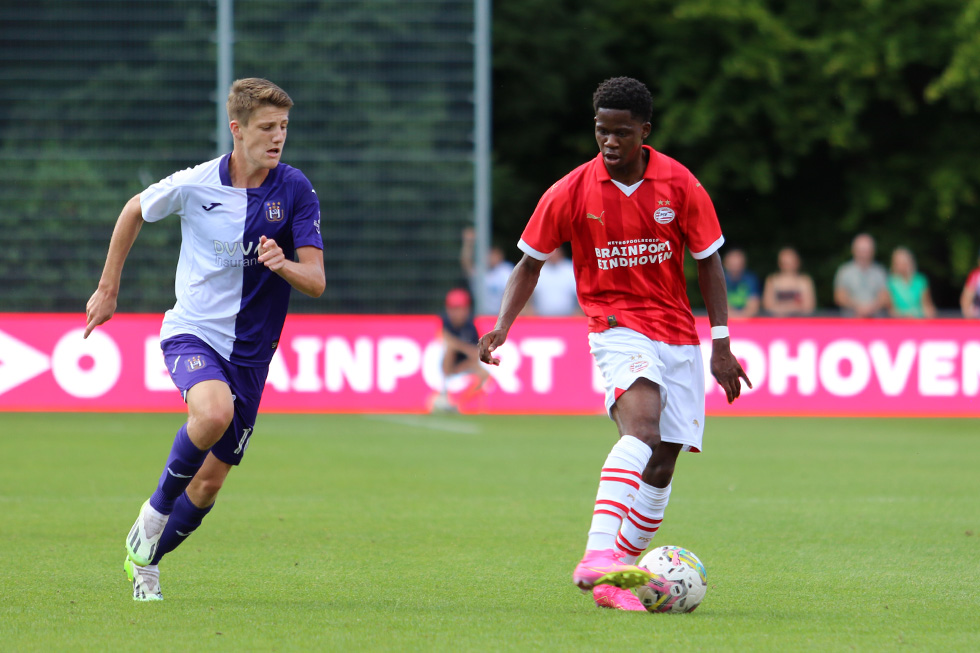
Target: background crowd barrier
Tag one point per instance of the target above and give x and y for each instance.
(391, 364)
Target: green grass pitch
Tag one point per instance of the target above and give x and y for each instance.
(460, 534)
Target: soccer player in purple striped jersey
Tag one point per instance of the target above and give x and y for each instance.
(250, 232)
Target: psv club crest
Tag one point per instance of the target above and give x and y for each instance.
(273, 211)
(638, 364)
(664, 215)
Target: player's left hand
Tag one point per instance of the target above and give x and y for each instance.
(270, 254)
(488, 343)
(727, 370)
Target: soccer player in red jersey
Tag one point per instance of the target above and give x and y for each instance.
(629, 214)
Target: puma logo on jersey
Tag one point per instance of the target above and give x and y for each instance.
(596, 217)
(213, 204)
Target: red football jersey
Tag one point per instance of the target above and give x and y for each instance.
(628, 251)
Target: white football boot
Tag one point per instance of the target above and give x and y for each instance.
(146, 581)
(144, 536)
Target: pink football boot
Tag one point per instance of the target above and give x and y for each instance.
(606, 567)
(607, 596)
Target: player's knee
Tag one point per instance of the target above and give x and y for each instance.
(648, 433)
(214, 418)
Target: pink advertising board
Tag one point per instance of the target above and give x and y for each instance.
(357, 363)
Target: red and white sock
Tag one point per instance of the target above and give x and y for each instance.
(619, 484)
(643, 521)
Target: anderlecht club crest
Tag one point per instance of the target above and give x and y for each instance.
(273, 211)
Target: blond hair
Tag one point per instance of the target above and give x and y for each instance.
(249, 94)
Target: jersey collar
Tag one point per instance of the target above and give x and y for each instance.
(223, 170)
(226, 176)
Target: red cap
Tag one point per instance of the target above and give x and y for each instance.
(457, 298)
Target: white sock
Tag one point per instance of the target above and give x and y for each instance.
(643, 520)
(154, 521)
(618, 487)
(148, 578)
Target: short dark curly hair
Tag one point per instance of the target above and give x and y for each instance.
(624, 93)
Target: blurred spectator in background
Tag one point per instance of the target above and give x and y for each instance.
(459, 336)
(789, 292)
(498, 271)
(970, 297)
(555, 293)
(743, 285)
(908, 288)
(861, 285)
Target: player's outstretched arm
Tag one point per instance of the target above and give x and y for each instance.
(519, 287)
(724, 366)
(305, 275)
(102, 304)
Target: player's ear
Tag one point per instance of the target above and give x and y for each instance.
(236, 129)
(646, 129)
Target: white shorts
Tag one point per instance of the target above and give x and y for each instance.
(623, 356)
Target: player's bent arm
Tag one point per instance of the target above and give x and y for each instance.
(102, 304)
(305, 275)
(711, 281)
(517, 292)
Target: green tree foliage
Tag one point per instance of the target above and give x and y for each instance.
(380, 129)
(100, 99)
(808, 122)
(125, 104)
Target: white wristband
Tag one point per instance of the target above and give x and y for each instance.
(719, 332)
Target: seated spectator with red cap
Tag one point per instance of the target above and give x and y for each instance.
(460, 337)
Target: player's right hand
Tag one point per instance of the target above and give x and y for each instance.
(488, 343)
(100, 308)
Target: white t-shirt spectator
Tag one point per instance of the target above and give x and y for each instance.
(555, 293)
(495, 282)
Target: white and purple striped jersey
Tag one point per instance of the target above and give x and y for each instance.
(224, 295)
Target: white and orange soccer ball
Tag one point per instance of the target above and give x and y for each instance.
(679, 580)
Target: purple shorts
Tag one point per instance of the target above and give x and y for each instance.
(190, 360)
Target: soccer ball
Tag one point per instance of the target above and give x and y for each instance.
(679, 580)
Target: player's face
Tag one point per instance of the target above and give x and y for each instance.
(620, 138)
(263, 138)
